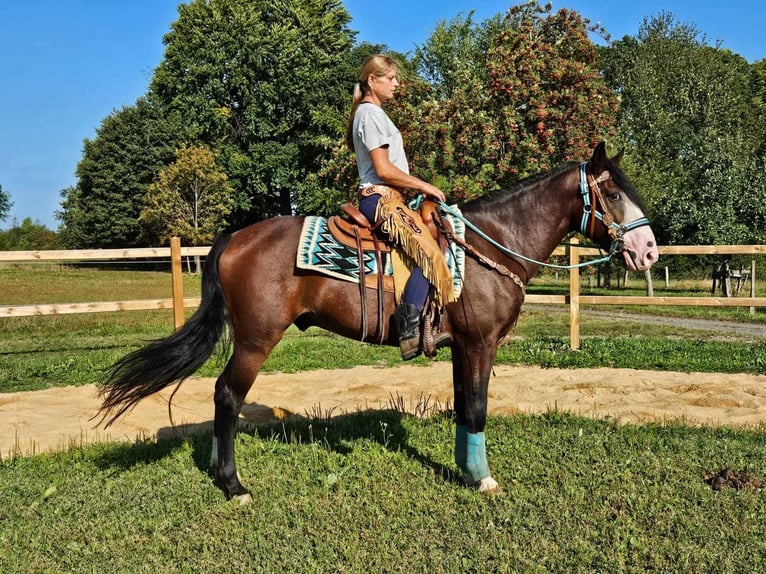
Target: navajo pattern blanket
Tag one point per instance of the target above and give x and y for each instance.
(319, 251)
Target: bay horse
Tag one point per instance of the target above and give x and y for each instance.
(250, 283)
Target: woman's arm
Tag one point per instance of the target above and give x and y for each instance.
(395, 177)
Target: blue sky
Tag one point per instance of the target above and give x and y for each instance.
(67, 64)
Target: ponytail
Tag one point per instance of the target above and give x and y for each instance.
(360, 89)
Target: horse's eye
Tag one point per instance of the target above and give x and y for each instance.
(614, 196)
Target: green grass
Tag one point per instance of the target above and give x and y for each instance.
(378, 492)
(64, 350)
(43, 352)
(546, 284)
(48, 283)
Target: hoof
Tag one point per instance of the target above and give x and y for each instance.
(243, 499)
(487, 485)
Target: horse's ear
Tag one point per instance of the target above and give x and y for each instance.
(618, 158)
(598, 159)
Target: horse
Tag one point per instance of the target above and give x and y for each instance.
(251, 286)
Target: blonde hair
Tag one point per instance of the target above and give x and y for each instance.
(377, 65)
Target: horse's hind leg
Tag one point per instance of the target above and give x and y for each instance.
(230, 391)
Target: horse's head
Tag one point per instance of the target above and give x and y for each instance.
(613, 213)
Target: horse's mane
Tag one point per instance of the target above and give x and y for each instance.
(617, 174)
(519, 186)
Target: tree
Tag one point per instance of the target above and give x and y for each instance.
(693, 134)
(495, 101)
(336, 179)
(190, 199)
(266, 83)
(531, 98)
(456, 51)
(28, 237)
(130, 148)
(5, 204)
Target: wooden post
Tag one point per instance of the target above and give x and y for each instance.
(649, 284)
(667, 278)
(574, 295)
(752, 284)
(176, 272)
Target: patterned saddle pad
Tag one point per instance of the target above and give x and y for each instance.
(319, 251)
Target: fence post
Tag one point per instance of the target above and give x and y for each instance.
(574, 294)
(649, 284)
(176, 272)
(752, 284)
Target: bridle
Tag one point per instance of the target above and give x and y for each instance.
(592, 197)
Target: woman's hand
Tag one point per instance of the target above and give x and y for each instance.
(432, 192)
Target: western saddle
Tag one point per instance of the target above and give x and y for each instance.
(357, 232)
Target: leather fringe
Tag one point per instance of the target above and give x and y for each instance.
(407, 232)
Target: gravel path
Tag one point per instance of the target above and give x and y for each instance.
(735, 329)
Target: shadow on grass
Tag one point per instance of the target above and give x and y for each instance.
(336, 433)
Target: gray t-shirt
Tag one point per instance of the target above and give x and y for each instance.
(373, 129)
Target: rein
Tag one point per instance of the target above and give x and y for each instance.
(513, 254)
(590, 215)
(470, 249)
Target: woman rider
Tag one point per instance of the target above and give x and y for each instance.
(383, 172)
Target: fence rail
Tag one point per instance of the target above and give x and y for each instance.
(178, 302)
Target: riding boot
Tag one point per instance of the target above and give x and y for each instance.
(407, 319)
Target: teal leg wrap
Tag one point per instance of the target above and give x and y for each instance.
(476, 467)
(461, 447)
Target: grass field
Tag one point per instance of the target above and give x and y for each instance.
(378, 491)
(64, 350)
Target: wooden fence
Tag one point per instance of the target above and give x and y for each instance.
(176, 252)
(575, 299)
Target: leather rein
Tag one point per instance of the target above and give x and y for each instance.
(592, 199)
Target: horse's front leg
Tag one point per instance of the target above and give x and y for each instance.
(470, 378)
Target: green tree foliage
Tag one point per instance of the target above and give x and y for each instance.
(336, 179)
(28, 237)
(5, 204)
(130, 148)
(693, 132)
(453, 49)
(191, 199)
(530, 98)
(496, 101)
(264, 81)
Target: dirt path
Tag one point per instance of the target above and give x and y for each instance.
(733, 330)
(53, 419)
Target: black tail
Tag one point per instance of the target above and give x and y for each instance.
(172, 359)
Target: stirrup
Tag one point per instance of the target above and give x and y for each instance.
(442, 339)
(433, 338)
